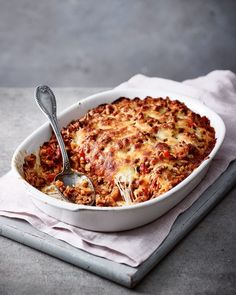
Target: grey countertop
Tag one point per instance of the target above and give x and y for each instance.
(203, 263)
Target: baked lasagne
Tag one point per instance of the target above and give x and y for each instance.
(132, 150)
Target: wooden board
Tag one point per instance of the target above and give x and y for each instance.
(24, 233)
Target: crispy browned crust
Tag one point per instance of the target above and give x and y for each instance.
(157, 142)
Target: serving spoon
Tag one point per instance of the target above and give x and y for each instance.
(46, 101)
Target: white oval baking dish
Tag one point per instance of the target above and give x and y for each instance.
(109, 219)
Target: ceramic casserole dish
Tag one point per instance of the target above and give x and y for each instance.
(109, 219)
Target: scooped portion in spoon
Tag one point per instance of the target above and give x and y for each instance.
(80, 193)
(73, 186)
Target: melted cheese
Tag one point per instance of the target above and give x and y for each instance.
(123, 180)
(79, 137)
(163, 134)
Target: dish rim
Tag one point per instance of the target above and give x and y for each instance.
(75, 207)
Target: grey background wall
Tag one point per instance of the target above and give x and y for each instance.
(102, 43)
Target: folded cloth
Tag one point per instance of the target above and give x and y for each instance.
(218, 91)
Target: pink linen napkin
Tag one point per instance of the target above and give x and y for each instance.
(218, 91)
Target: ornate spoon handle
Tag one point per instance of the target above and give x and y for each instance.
(47, 102)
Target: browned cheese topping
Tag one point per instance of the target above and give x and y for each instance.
(132, 150)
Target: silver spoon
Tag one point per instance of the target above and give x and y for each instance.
(46, 101)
